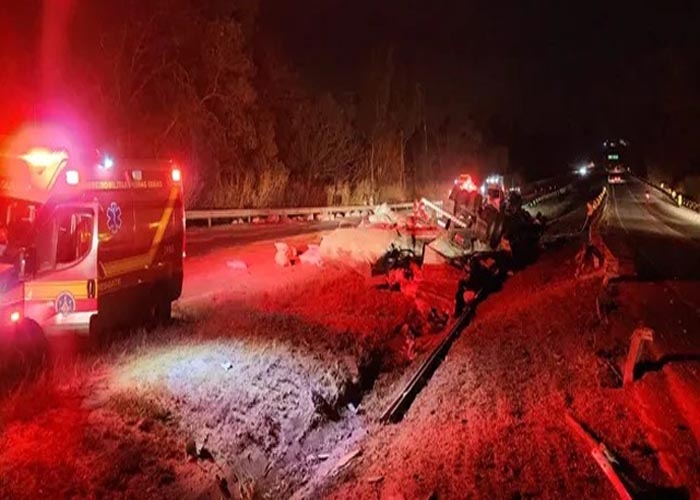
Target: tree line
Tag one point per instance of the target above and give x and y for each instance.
(207, 85)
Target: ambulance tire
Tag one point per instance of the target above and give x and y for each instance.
(164, 311)
(32, 344)
(160, 312)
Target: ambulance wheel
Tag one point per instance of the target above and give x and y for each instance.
(32, 344)
(164, 311)
(160, 312)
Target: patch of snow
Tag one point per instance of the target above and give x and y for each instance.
(237, 265)
(362, 245)
(311, 256)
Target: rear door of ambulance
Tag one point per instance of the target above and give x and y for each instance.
(159, 226)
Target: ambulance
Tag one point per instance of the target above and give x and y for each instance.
(88, 242)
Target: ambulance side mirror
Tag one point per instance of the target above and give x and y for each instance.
(26, 263)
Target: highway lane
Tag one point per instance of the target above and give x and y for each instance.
(658, 245)
(659, 240)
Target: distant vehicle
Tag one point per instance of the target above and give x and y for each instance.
(88, 242)
(614, 156)
(616, 179)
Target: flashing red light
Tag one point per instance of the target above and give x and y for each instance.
(72, 177)
(40, 157)
(466, 183)
(15, 316)
(176, 174)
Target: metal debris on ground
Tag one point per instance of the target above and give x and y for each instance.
(603, 457)
(345, 461)
(639, 337)
(383, 215)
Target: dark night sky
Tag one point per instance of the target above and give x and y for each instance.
(573, 71)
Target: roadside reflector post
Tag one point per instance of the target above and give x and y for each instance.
(680, 200)
(639, 337)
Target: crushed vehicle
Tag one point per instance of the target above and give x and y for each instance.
(485, 220)
(89, 242)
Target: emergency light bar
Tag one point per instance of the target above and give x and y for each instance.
(176, 175)
(40, 157)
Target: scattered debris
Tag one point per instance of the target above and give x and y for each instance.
(437, 320)
(383, 215)
(223, 487)
(324, 408)
(323, 456)
(603, 457)
(145, 425)
(205, 454)
(311, 256)
(285, 255)
(238, 265)
(227, 365)
(375, 479)
(639, 337)
(191, 450)
(345, 461)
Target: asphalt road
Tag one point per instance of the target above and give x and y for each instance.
(659, 240)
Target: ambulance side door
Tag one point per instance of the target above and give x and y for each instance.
(65, 268)
(116, 240)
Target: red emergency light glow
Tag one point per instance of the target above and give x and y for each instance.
(40, 157)
(72, 177)
(176, 174)
(466, 183)
(15, 316)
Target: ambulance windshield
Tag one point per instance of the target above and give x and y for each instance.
(16, 222)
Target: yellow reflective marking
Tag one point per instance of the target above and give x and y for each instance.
(142, 261)
(50, 290)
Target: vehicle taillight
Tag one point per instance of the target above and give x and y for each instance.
(176, 174)
(72, 177)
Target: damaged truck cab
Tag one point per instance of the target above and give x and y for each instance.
(88, 242)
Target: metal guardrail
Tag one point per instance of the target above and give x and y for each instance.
(248, 214)
(676, 197)
(318, 213)
(542, 198)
